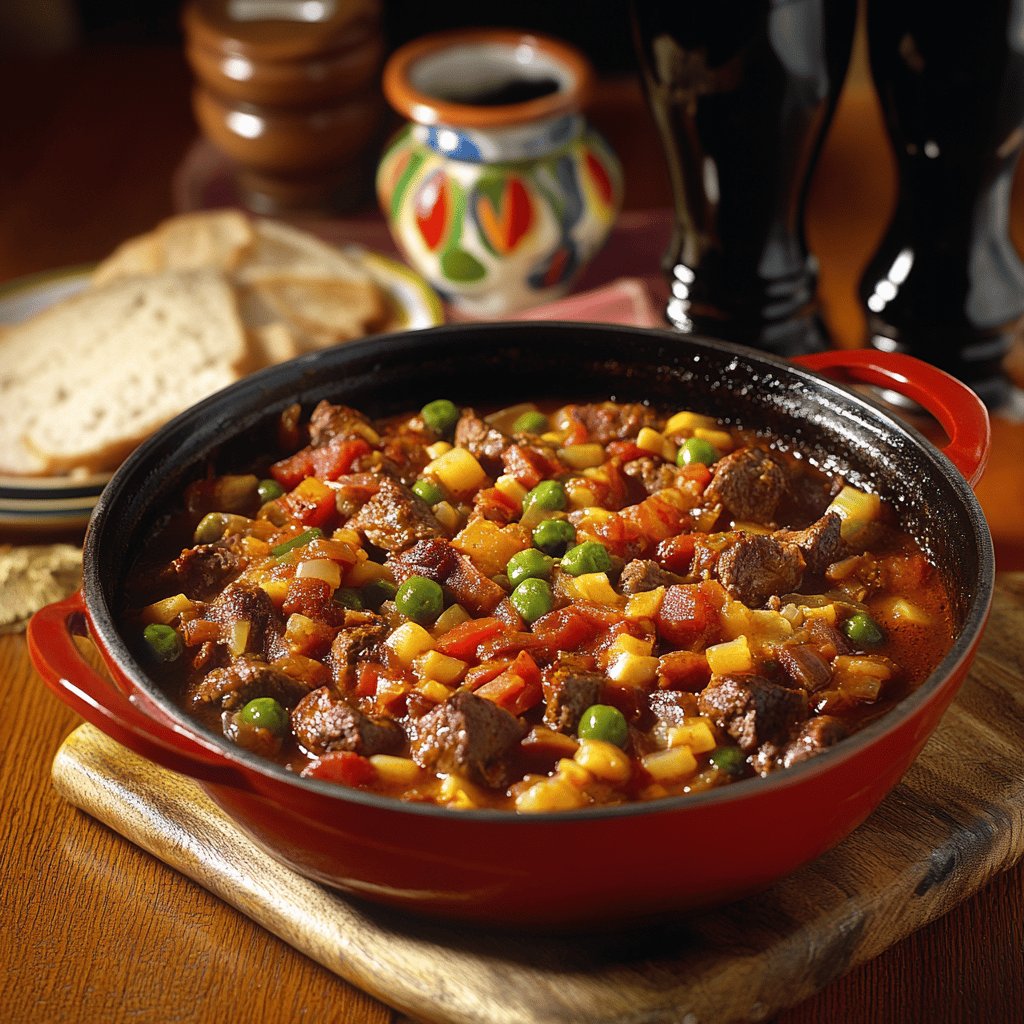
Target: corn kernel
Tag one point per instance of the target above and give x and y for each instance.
(629, 669)
(733, 656)
(671, 764)
(603, 760)
(458, 471)
(554, 794)
(396, 771)
(686, 422)
(409, 641)
(438, 448)
(435, 665)
(582, 456)
(572, 771)
(645, 605)
(167, 610)
(695, 733)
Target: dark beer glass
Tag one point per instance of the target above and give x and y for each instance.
(946, 283)
(742, 92)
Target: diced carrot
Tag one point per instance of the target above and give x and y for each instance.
(675, 553)
(683, 670)
(683, 616)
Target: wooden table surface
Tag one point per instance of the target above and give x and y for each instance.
(93, 929)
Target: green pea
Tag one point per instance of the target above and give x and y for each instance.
(420, 599)
(297, 542)
(429, 491)
(440, 416)
(269, 490)
(603, 722)
(548, 496)
(586, 557)
(532, 422)
(553, 536)
(348, 597)
(265, 713)
(728, 760)
(696, 449)
(528, 564)
(376, 593)
(862, 630)
(532, 599)
(164, 642)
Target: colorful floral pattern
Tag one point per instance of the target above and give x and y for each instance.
(496, 237)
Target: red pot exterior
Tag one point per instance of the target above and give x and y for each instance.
(605, 865)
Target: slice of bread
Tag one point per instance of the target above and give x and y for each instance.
(281, 250)
(332, 308)
(85, 381)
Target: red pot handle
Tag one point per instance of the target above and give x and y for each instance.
(66, 672)
(959, 411)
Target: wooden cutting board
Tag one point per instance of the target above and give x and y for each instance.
(955, 821)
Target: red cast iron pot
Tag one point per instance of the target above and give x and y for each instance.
(604, 864)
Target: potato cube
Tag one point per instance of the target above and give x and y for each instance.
(603, 760)
(629, 669)
(633, 644)
(595, 586)
(670, 765)
(511, 488)
(554, 794)
(409, 641)
(435, 665)
(167, 610)
(645, 605)
(695, 733)
(732, 656)
(856, 508)
(657, 444)
(396, 771)
(458, 471)
(582, 456)
(366, 571)
(721, 439)
(454, 615)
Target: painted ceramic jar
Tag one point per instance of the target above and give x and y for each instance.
(497, 190)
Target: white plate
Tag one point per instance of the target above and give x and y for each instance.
(65, 502)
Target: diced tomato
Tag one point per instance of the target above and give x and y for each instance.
(343, 766)
(655, 517)
(366, 681)
(566, 629)
(621, 537)
(684, 615)
(463, 640)
(481, 674)
(698, 473)
(311, 502)
(675, 553)
(327, 462)
(683, 670)
(496, 506)
(518, 688)
(291, 471)
(626, 451)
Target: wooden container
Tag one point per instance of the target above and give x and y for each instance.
(290, 91)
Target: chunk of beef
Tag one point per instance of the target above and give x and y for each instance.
(328, 421)
(395, 518)
(642, 574)
(654, 474)
(439, 561)
(203, 570)
(241, 602)
(361, 631)
(804, 665)
(821, 543)
(811, 738)
(749, 483)
(245, 679)
(569, 693)
(756, 566)
(483, 441)
(470, 736)
(752, 710)
(610, 421)
(323, 724)
(672, 706)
